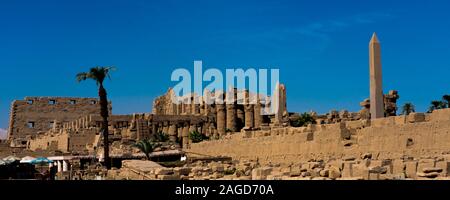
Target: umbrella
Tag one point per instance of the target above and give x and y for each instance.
(11, 159)
(27, 159)
(41, 161)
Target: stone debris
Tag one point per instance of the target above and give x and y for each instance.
(356, 169)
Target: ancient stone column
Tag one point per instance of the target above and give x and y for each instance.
(249, 112)
(185, 135)
(65, 166)
(180, 132)
(376, 88)
(154, 128)
(258, 117)
(221, 119)
(172, 132)
(214, 131)
(165, 129)
(59, 164)
(207, 102)
(231, 117)
(240, 117)
(249, 117)
(202, 107)
(206, 130)
(180, 108)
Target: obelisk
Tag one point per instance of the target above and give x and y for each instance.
(376, 87)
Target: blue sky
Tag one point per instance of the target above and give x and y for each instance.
(320, 47)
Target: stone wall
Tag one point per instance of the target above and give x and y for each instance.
(67, 142)
(416, 135)
(33, 115)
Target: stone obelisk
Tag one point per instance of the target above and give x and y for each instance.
(376, 87)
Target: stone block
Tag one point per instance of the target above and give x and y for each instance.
(428, 175)
(360, 170)
(374, 176)
(163, 171)
(398, 166)
(400, 120)
(261, 173)
(416, 117)
(336, 163)
(376, 163)
(425, 163)
(411, 169)
(182, 171)
(445, 166)
(295, 171)
(217, 168)
(347, 170)
(169, 177)
(432, 169)
(324, 173)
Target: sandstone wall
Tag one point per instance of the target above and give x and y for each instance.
(417, 135)
(42, 111)
(68, 141)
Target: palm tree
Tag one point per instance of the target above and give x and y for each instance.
(146, 147)
(408, 108)
(98, 74)
(435, 105)
(447, 99)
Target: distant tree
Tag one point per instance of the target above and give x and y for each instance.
(436, 105)
(146, 147)
(303, 120)
(446, 98)
(99, 74)
(408, 108)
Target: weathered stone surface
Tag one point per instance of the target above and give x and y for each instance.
(168, 177)
(432, 169)
(163, 171)
(182, 171)
(425, 163)
(261, 173)
(416, 117)
(428, 175)
(411, 169)
(334, 173)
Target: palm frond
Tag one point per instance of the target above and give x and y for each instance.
(98, 74)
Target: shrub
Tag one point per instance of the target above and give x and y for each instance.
(197, 137)
(160, 137)
(303, 120)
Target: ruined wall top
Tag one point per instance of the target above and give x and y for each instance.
(34, 115)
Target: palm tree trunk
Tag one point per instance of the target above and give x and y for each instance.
(104, 113)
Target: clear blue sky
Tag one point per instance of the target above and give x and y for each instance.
(320, 47)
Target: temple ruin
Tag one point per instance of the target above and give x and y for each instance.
(371, 144)
(35, 115)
